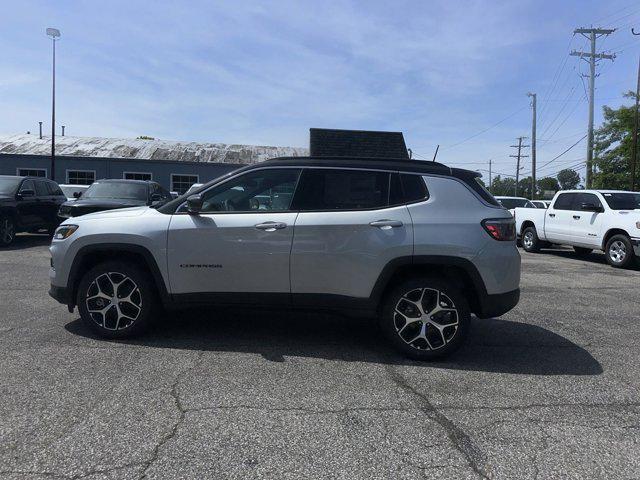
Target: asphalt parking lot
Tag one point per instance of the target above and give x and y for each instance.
(550, 390)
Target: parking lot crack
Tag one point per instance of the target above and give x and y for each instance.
(182, 411)
(476, 459)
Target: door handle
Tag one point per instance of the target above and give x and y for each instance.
(552, 214)
(386, 224)
(271, 226)
(576, 217)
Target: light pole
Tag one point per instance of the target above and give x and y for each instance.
(54, 34)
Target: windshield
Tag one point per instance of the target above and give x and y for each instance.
(131, 191)
(510, 203)
(622, 201)
(9, 185)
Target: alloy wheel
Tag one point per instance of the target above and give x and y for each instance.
(617, 251)
(7, 231)
(114, 301)
(426, 319)
(527, 240)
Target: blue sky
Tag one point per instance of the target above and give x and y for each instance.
(264, 72)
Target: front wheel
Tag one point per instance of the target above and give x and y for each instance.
(619, 251)
(116, 300)
(7, 230)
(425, 318)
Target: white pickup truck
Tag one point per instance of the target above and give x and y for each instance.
(607, 220)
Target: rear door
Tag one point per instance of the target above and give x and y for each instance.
(239, 244)
(345, 233)
(559, 222)
(27, 204)
(587, 225)
(46, 204)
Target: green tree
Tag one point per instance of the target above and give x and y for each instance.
(500, 186)
(547, 184)
(612, 148)
(568, 179)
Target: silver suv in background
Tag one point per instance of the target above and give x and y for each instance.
(420, 246)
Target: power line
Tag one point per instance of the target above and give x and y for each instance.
(567, 150)
(488, 128)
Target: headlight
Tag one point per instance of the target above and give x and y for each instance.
(65, 231)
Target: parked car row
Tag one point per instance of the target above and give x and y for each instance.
(35, 204)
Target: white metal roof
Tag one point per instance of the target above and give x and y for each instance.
(145, 149)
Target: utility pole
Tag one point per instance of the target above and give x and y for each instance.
(490, 180)
(534, 97)
(592, 34)
(518, 156)
(634, 152)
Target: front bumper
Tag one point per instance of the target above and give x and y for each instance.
(60, 294)
(495, 305)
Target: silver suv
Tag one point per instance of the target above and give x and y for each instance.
(418, 245)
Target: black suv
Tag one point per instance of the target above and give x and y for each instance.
(28, 204)
(112, 194)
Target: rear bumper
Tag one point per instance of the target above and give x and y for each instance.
(496, 305)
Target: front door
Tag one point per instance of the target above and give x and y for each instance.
(587, 224)
(27, 204)
(240, 242)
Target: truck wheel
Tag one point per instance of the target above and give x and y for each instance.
(116, 300)
(7, 230)
(619, 251)
(582, 252)
(425, 318)
(530, 240)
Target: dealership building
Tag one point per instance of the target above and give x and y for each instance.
(175, 165)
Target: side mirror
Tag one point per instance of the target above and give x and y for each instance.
(77, 194)
(194, 204)
(26, 193)
(591, 207)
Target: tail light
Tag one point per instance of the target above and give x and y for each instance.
(502, 229)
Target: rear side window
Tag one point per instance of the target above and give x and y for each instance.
(329, 189)
(565, 201)
(406, 188)
(41, 189)
(54, 189)
(587, 198)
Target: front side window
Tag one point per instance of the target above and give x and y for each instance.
(261, 190)
(622, 200)
(564, 201)
(124, 190)
(81, 177)
(329, 189)
(41, 189)
(587, 198)
(28, 185)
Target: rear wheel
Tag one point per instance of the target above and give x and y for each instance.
(619, 251)
(7, 230)
(530, 240)
(425, 318)
(117, 300)
(582, 252)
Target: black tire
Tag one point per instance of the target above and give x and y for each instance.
(619, 251)
(582, 252)
(433, 342)
(530, 241)
(116, 322)
(7, 230)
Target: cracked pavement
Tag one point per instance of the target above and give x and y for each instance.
(550, 390)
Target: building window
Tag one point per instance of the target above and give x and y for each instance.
(81, 177)
(181, 183)
(137, 176)
(32, 172)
